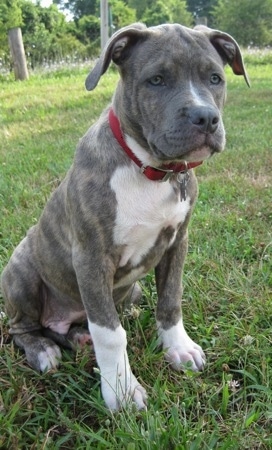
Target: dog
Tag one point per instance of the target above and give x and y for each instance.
(124, 207)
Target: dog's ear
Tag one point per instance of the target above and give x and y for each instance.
(116, 50)
(227, 48)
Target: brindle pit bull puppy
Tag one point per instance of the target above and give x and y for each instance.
(124, 206)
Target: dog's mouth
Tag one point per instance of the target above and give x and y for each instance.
(186, 146)
(203, 152)
(197, 154)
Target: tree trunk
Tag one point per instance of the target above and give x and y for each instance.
(18, 53)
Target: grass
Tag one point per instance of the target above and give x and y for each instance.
(227, 284)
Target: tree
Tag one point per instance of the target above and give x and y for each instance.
(248, 21)
(158, 13)
(10, 22)
(122, 14)
(47, 34)
(202, 8)
(140, 6)
(10, 16)
(180, 13)
(79, 8)
(88, 29)
(174, 11)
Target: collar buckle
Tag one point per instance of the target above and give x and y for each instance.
(167, 173)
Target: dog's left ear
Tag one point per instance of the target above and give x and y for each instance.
(227, 48)
(116, 50)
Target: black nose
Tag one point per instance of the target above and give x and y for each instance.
(206, 119)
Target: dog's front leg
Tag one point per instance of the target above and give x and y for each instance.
(180, 349)
(118, 384)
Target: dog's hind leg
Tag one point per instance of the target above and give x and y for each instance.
(133, 296)
(42, 354)
(76, 337)
(22, 291)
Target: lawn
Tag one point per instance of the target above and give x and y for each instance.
(227, 283)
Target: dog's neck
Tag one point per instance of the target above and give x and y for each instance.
(161, 173)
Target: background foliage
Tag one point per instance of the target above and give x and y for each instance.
(70, 29)
(250, 21)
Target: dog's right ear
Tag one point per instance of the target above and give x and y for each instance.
(116, 50)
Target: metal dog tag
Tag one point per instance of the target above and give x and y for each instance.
(183, 178)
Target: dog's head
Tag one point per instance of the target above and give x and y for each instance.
(172, 87)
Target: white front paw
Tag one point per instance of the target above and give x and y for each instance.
(189, 356)
(118, 384)
(181, 350)
(123, 389)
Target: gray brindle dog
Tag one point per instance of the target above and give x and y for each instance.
(124, 207)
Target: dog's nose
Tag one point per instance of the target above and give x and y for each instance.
(206, 119)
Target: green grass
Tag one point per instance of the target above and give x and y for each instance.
(227, 284)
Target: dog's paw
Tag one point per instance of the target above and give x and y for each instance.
(119, 386)
(79, 337)
(180, 350)
(189, 355)
(44, 355)
(122, 390)
(49, 358)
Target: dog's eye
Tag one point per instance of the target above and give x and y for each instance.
(157, 80)
(215, 79)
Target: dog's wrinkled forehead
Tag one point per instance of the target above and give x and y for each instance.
(174, 44)
(176, 37)
(167, 40)
(175, 40)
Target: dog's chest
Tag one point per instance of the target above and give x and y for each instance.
(144, 209)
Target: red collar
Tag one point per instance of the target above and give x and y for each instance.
(152, 173)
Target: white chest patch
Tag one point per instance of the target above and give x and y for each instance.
(144, 209)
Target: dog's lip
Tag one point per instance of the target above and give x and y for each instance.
(199, 154)
(196, 155)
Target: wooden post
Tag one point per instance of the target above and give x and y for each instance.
(104, 22)
(18, 53)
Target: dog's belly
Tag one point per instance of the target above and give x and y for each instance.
(59, 325)
(144, 210)
(59, 310)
